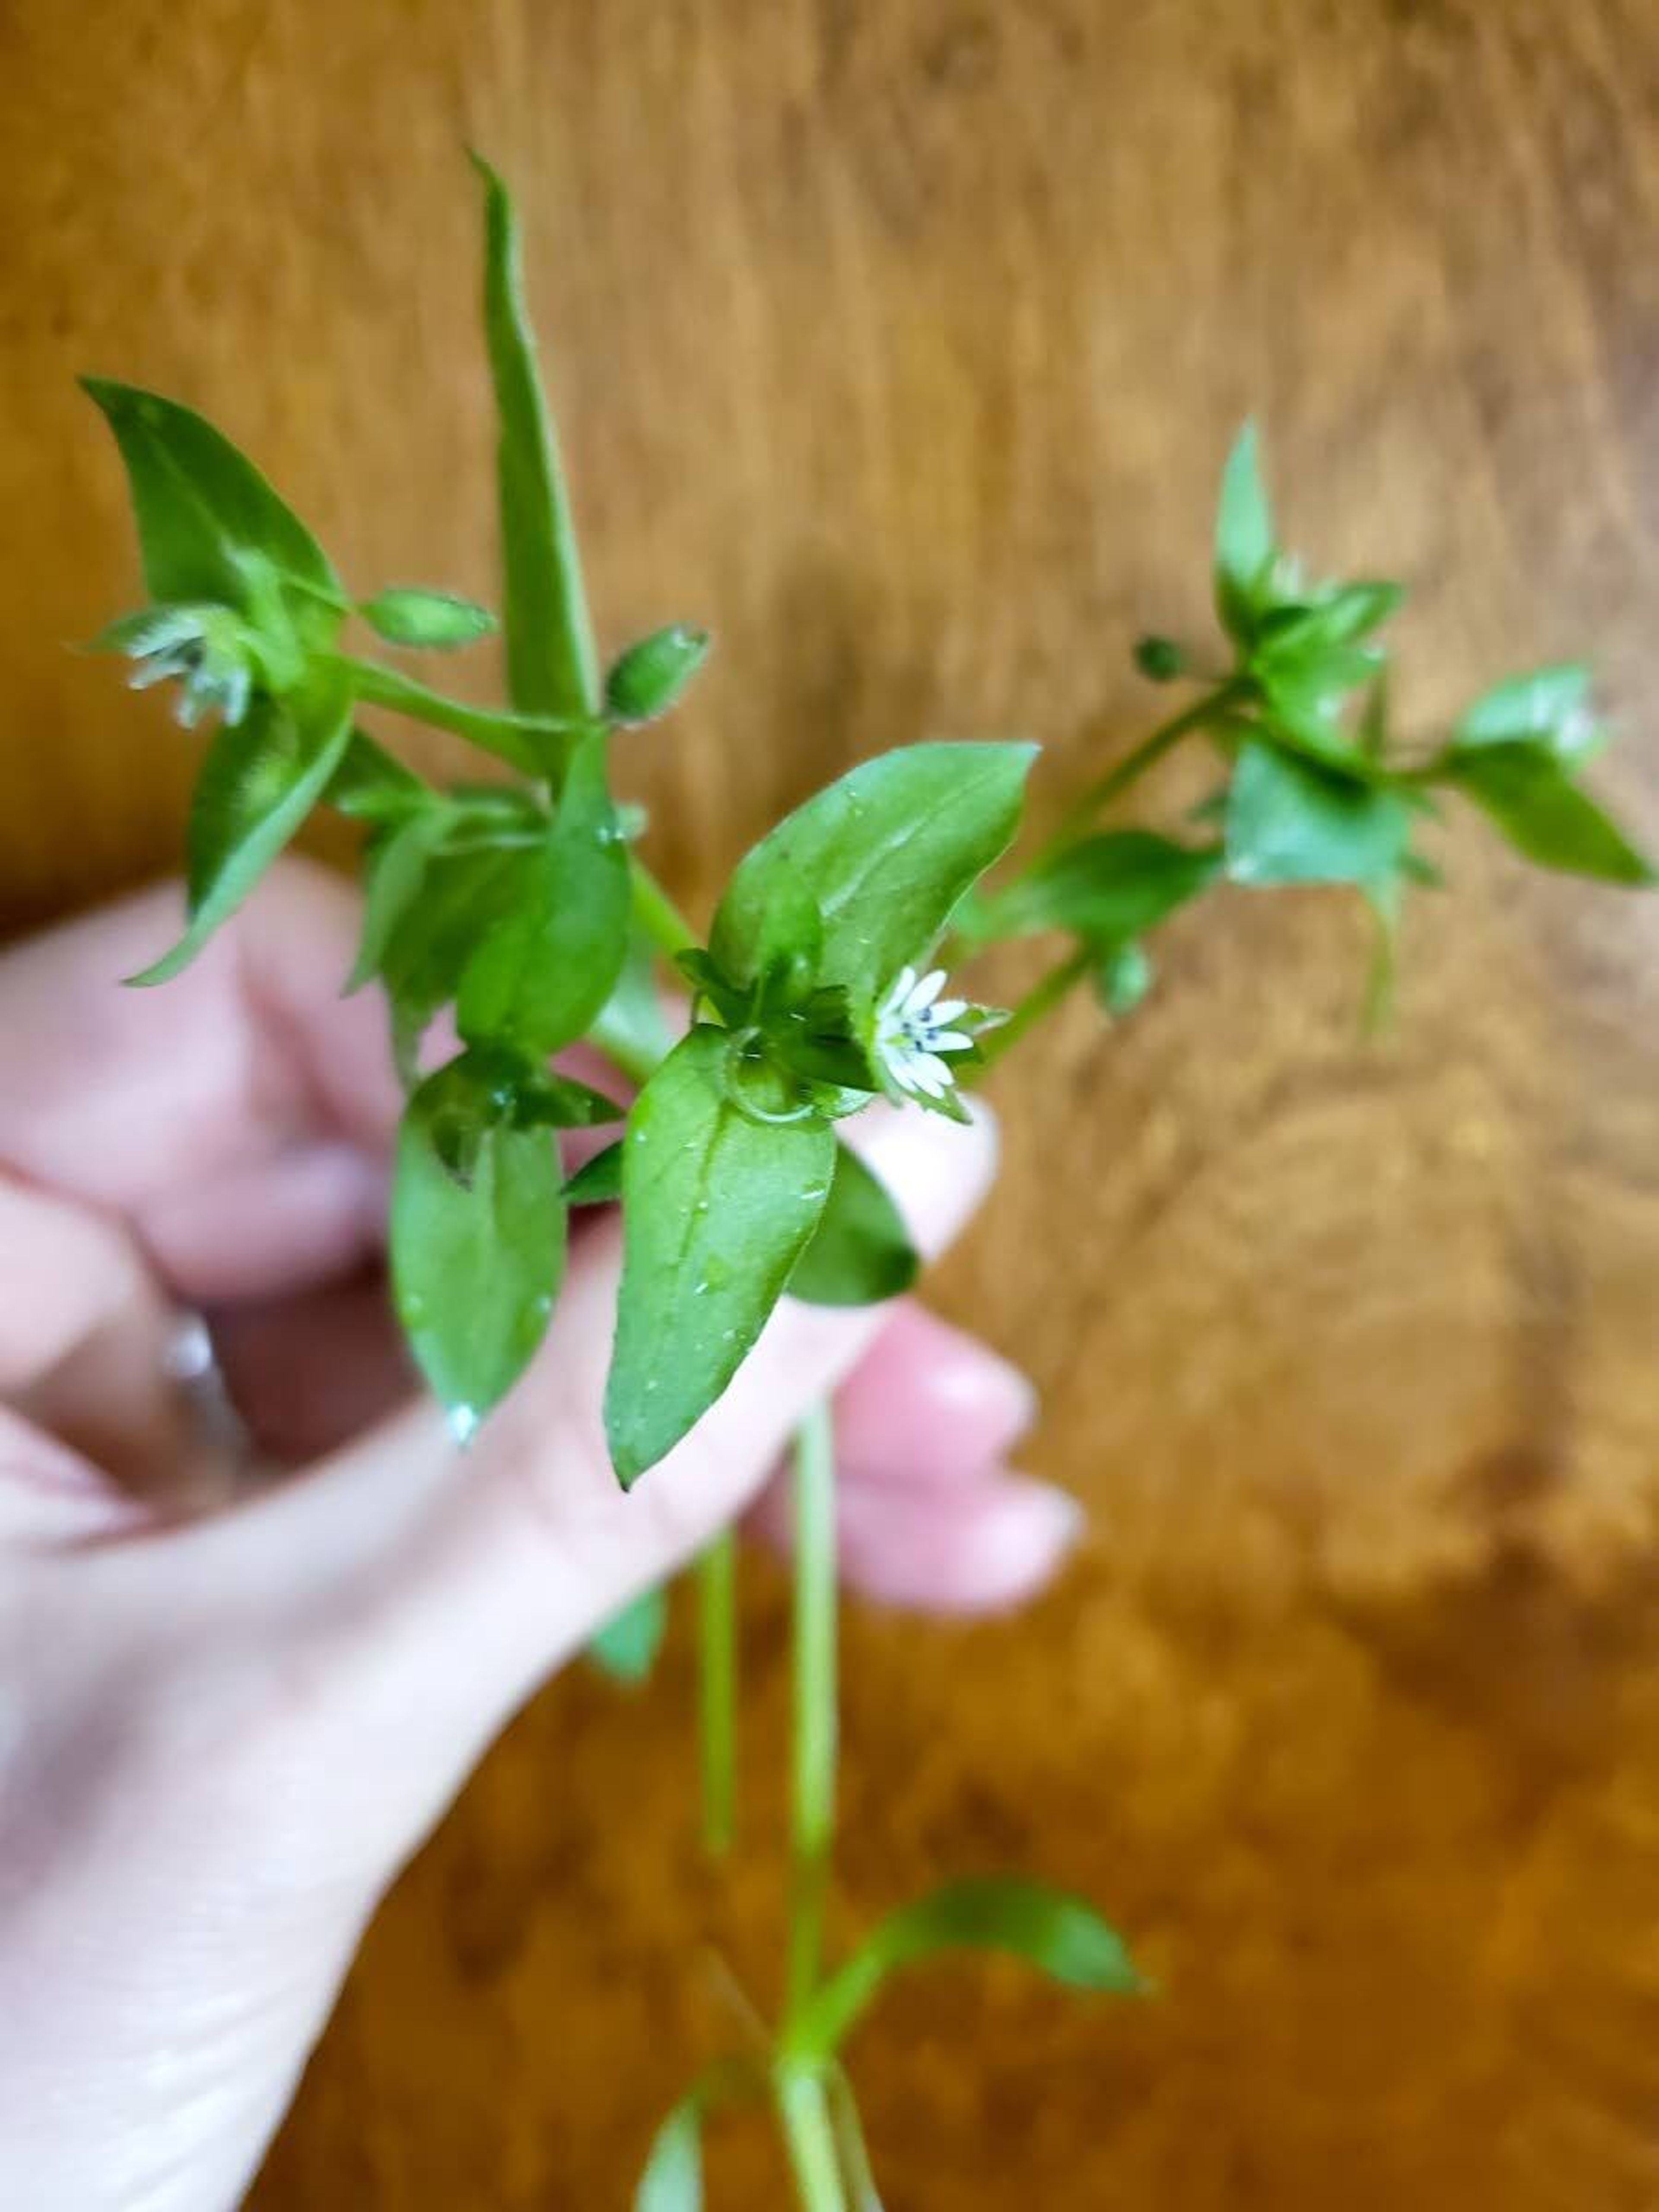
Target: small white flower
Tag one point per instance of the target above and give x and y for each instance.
(203, 647)
(914, 1031)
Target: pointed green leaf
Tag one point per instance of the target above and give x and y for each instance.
(1529, 795)
(717, 1208)
(598, 1182)
(626, 1648)
(1290, 822)
(540, 978)
(1106, 888)
(394, 872)
(464, 897)
(476, 1254)
(258, 783)
(1062, 1936)
(1551, 705)
(433, 620)
(859, 1253)
(1243, 537)
(201, 509)
(551, 665)
(887, 852)
(672, 2179)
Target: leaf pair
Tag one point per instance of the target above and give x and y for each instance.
(1059, 1935)
(727, 1166)
(1516, 754)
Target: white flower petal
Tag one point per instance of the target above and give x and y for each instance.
(950, 1040)
(903, 987)
(946, 1010)
(932, 1076)
(926, 991)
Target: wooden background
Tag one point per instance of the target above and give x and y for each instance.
(901, 340)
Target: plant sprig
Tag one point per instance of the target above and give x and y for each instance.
(523, 908)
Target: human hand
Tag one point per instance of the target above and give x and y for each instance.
(231, 1711)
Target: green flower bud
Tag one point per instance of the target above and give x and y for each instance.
(646, 681)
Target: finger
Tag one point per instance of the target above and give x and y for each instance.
(928, 1404)
(85, 1335)
(232, 1092)
(309, 1373)
(430, 1591)
(991, 1542)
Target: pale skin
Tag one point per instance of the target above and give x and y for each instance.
(230, 1710)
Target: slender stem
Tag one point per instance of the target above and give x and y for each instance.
(658, 915)
(513, 737)
(812, 1775)
(717, 1690)
(1042, 998)
(1133, 765)
(810, 2137)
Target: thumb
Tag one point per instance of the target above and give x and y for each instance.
(421, 1593)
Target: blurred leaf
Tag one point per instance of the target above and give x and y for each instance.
(859, 1253)
(717, 1208)
(1123, 978)
(626, 1648)
(672, 2179)
(1106, 888)
(1243, 538)
(477, 1238)
(1060, 1934)
(1551, 705)
(412, 615)
(1290, 822)
(1529, 795)
(258, 783)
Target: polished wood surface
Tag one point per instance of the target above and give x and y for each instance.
(900, 340)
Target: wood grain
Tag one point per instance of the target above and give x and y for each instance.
(901, 342)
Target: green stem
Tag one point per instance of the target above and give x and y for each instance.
(811, 2138)
(812, 1774)
(1129, 770)
(510, 737)
(657, 914)
(717, 1690)
(1042, 998)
